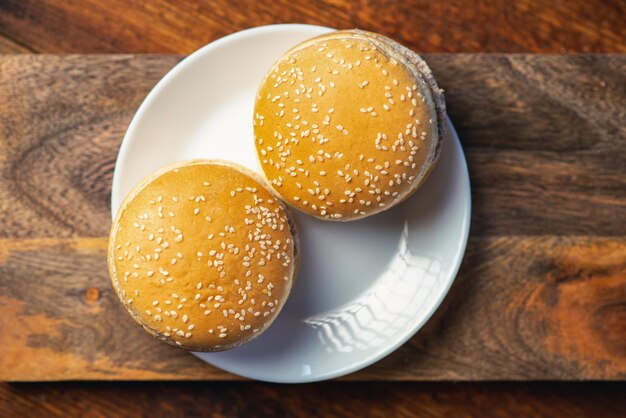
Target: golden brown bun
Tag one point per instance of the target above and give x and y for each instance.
(202, 255)
(348, 124)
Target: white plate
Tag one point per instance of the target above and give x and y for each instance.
(364, 287)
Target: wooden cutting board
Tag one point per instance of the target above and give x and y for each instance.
(542, 290)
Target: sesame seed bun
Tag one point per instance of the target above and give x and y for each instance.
(203, 255)
(348, 124)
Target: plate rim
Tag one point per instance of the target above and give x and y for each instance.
(410, 331)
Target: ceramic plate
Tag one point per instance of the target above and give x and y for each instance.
(364, 287)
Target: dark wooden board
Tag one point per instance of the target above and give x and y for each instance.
(542, 290)
(521, 309)
(544, 136)
(329, 399)
(88, 26)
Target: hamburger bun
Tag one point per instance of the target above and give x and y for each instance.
(348, 124)
(203, 255)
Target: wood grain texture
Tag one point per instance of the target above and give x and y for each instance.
(521, 309)
(541, 293)
(181, 26)
(543, 136)
(329, 399)
(9, 46)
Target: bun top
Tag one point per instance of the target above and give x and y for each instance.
(345, 125)
(202, 255)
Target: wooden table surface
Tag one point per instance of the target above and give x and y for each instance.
(182, 26)
(542, 291)
(329, 399)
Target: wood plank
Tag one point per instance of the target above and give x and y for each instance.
(522, 308)
(329, 399)
(88, 26)
(534, 299)
(543, 136)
